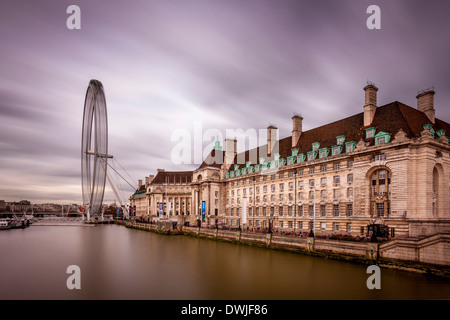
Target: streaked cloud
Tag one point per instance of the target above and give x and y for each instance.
(167, 64)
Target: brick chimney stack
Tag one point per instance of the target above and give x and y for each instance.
(271, 138)
(297, 128)
(425, 103)
(370, 106)
(230, 150)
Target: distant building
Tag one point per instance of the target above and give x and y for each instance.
(388, 165)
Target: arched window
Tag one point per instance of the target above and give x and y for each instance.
(380, 181)
(438, 191)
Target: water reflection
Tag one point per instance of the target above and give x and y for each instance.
(120, 263)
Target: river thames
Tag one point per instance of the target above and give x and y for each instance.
(120, 263)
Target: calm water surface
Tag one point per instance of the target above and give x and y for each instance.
(121, 263)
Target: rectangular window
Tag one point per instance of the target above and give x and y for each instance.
(281, 187)
(350, 164)
(282, 175)
(378, 157)
(380, 209)
(323, 181)
(257, 211)
(335, 226)
(349, 192)
(300, 211)
(272, 211)
(300, 172)
(311, 170)
(323, 210)
(323, 168)
(350, 209)
(291, 185)
(281, 224)
(336, 193)
(290, 224)
(311, 183)
(272, 198)
(323, 226)
(291, 197)
(300, 184)
(273, 188)
(265, 198)
(290, 211)
(349, 227)
(336, 210)
(337, 179)
(281, 197)
(323, 194)
(264, 211)
(311, 211)
(350, 178)
(300, 196)
(311, 195)
(264, 189)
(257, 189)
(291, 174)
(280, 211)
(300, 224)
(337, 166)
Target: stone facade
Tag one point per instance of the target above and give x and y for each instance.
(388, 166)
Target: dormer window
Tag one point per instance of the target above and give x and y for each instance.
(291, 160)
(248, 163)
(350, 146)
(236, 166)
(336, 150)
(340, 140)
(323, 153)
(315, 146)
(440, 132)
(262, 159)
(294, 152)
(312, 155)
(370, 132)
(382, 137)
(301, 158)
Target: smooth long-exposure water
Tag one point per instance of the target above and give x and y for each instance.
(121, 263)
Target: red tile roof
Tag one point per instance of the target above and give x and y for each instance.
(389, 118)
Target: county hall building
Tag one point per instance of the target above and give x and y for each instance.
(388, 165)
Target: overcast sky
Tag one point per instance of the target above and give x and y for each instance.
(226, 64)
